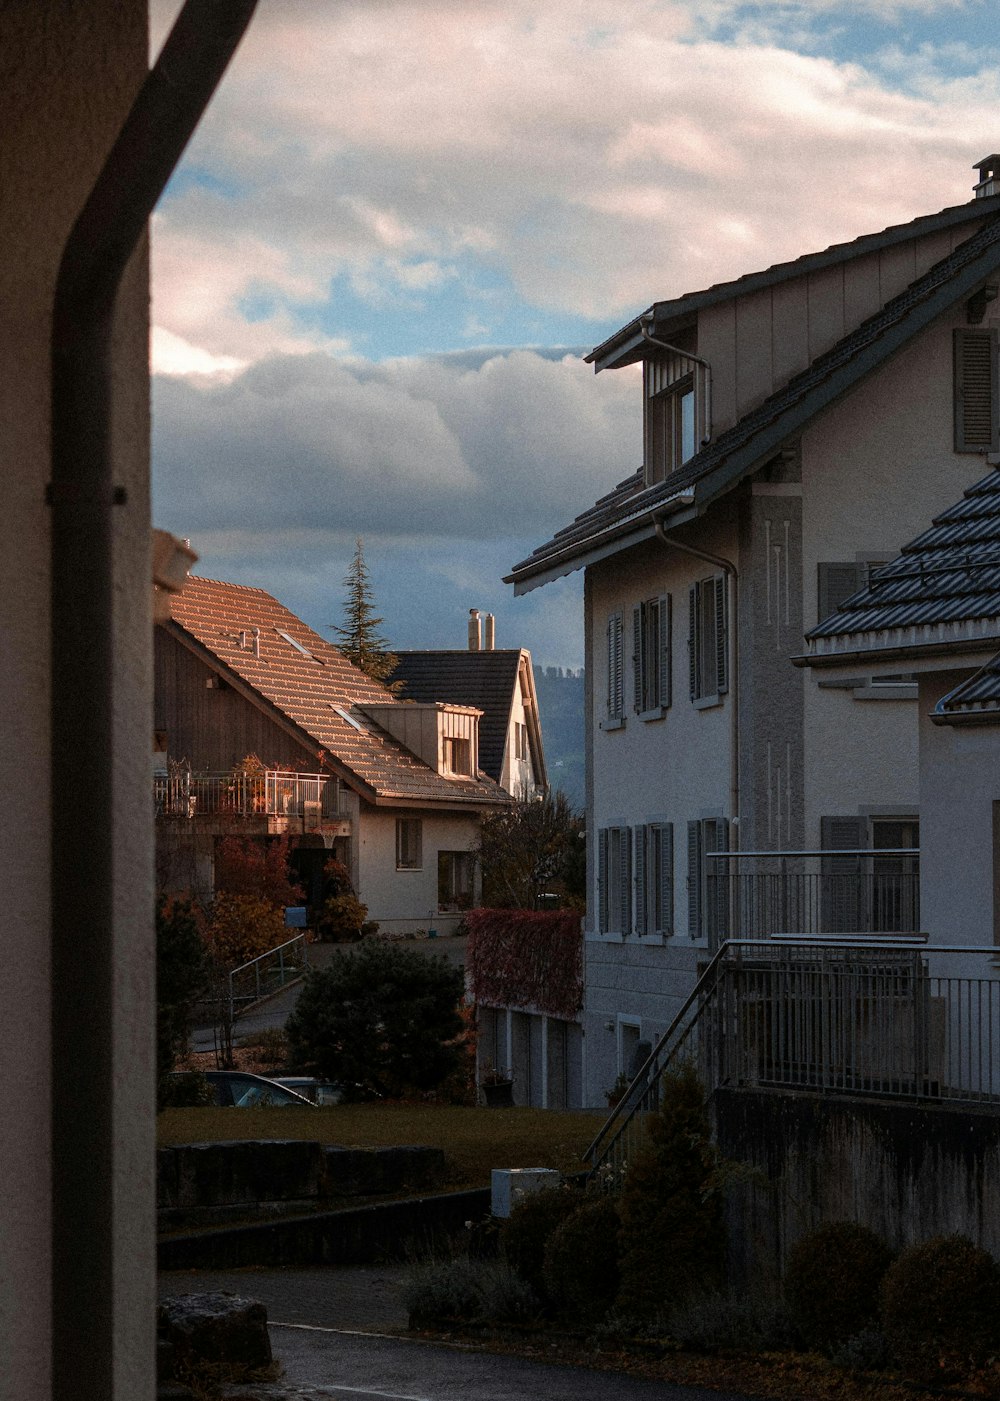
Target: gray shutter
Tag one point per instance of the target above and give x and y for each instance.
(842, 893)
(693, 639)
(721, 634)
(638, 670)
(625, 880)
(977, 412)
(665, 874)
(694, 879)
(611, 665)
(663, 650)
(715, 837)
(640, 836)
(834, 585)
(602, 880)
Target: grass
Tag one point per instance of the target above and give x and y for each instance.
(474, 1140)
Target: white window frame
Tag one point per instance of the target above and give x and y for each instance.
(409, 835)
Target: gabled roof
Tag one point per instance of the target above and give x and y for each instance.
(305, 682)
(974, 702)
(487, 680)
(625, 515)
(628, 344)
(942, 592)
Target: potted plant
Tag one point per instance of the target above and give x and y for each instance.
(497, 1086)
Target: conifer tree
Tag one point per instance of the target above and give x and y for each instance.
(359, 639)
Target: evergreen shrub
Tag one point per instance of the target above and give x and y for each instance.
(831, 1283)
(580, 1265)
(525, 1233)
(940, 1308)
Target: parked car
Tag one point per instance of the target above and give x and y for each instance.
(238, 1089)
(316, 1091)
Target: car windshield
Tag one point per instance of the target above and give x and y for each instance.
(250, 1096)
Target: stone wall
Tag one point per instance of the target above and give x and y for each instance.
(909, 1171)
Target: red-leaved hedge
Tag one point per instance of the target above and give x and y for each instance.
(526, 958)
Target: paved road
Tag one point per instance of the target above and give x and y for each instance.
(338, 1332)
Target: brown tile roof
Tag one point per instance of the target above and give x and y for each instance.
(311, 687)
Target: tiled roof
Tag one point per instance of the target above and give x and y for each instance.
(691, 302)
(315, 688)
(758, 435)
(949, 574)
(977, 699)
(487, 680)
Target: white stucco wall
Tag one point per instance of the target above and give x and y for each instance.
(404, 901)
(70, 73)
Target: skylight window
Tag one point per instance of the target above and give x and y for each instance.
(344, 716)
(297, 645)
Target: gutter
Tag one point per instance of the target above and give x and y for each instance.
(83, 498)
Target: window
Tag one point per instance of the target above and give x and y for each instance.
(616, 670)
(408, 843)
(977, 410)
(614, 892)
(454, 880)
(837, 581)
(674, 401)
(520, 740)
(708, 638)
(654, 878)
(708, 883)
(651, 654)
(457, 755)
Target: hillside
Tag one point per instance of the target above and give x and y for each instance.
(560, 704)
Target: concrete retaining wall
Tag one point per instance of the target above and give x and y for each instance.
(908, 1171)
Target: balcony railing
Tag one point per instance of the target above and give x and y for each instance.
(271, 793)
(758, 894)
(835, 1017)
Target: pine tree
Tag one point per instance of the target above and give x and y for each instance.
(358, 639)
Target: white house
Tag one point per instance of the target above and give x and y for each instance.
(799, 425)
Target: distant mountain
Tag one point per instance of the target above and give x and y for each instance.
(560, 705)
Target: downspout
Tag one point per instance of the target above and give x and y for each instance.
(82, 496)
(732, 574)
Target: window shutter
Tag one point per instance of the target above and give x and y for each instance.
(834, 585)
(665, 875)
(693, 639)
(625, 880)
(721, 634)
(841, 888)
(977, 412)
(640, 838)
(666, 681)
(602, 880)
(716, 838)
(638, 698)
(694, 879)
(616, 679)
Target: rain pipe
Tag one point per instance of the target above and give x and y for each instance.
(732, 573)
(647, 335)
(83, 497)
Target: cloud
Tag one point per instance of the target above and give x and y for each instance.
(477, 446)
(595, 158)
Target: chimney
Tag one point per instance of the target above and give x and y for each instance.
(989, 177)
(491, 626)
(475, 641)
(255, 634)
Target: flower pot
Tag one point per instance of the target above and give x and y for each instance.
(499, 1096)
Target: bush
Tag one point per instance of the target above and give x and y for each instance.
(187, 1090)
(672, 1236)
(719, 1322)
(380, 1018)
(443, 1293)
(525, 1233)
(832, 1281)
(580, 1265)
(343, 918)
(182, 977)
(242, 927)
(940, 1308)
(867, 1351)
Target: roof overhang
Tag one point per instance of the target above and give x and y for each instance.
(921, 646)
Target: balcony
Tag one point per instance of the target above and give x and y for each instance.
(761, 895)
(275, 797)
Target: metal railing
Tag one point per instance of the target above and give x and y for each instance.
(267, 974)
(754, 894)
(881, 1018)
(271, 793)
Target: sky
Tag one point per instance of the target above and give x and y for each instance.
(403, 223)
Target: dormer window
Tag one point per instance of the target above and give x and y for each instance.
(675, 408)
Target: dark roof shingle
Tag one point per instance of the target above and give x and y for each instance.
(484, 679)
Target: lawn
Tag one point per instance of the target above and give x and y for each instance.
(474, 1140)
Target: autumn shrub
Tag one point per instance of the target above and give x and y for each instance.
(832, 1280)
(940, 1308)
(525, 1233)
(342, 918)
(257, 869)
(580, 1262)
(241, 927)
(672, 1236)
